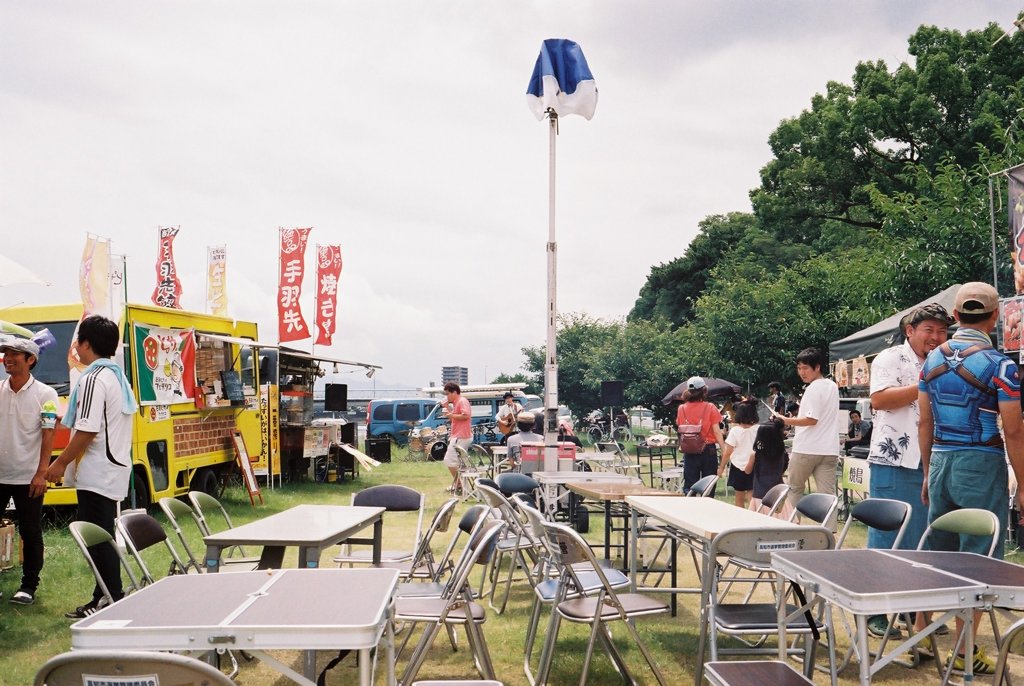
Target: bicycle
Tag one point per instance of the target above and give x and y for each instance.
(597, 430)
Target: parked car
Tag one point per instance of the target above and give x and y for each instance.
(641, 418)
(393, 419)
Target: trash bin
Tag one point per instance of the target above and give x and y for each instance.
(379, 449)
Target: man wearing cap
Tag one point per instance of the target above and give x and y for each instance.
(28, 416)
(966, 388)
(895, 454)
(816, 441)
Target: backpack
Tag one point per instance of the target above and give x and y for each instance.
(691, 438)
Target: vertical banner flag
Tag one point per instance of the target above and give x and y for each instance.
(328, 270)
(167, 371)
(1015, 181)
(94, 277)
(216, 280)
(168, 288)
(290, 324)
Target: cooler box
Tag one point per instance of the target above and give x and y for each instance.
(566, 456)
(531, 457)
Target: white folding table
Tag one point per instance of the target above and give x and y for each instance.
(875, 582)
(311, 528)
(292, 609)
(552, 485)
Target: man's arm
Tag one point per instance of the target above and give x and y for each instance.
(80, 440)
(894, 397)
(925, 436)
(38, 485)
(1013, 434)
(797, 421)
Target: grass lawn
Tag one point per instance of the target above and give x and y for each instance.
(30, 635)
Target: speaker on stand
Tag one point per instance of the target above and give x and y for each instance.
(611, 393)
(336, 397)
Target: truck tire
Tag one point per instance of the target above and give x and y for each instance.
(205, 480)
(143, 499)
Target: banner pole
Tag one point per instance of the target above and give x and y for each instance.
(551, 367)
(992, 223)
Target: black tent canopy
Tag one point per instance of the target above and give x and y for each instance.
(886, 333)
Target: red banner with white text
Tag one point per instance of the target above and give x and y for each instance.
(291, 326)
(328, 271)
(168, 288)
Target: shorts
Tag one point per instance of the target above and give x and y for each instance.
(739, 479)
(967, 478)
(451, 458)
(899, 483)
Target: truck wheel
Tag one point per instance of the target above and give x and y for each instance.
(205, 480)
(142, 496)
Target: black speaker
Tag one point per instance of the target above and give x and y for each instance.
(336, 397)
(611, 394)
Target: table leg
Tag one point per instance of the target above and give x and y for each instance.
(389, 645)
(212, 560)
(364, 667)
(309, 665)
(863, 656)
(633, 527)
(378, 531)
(272, 557)
(309, 557)
(608, 530)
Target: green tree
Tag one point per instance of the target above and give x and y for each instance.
(531, 383)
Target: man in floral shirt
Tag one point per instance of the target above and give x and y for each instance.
(895, 454)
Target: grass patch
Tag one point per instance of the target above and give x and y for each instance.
(30, 635)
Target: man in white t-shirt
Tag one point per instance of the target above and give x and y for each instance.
(816, 443)
(98, 459)
(28, 415)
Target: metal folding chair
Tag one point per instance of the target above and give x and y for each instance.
(141, 531)
(423, 565)
(752, 549)
(178, 512)
(455, 607)
(818, 507)
(118, 666)
(393, 498)
(86, 535)
(596, 609)
(774, 499)
(517, 543)
(202, 505)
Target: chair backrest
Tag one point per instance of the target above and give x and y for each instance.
(883, 514)
(511, 483)
(439, 523)
(467, 524)
(394, 498)
(819, 507)
(203, 504)
(141, 531)
(176, 513)
(774, 498)
(968, 521)
(754, 546)
(703, 488)
(570, 553)
(87, 535)
(115, 666)
(488, 482)
(477, 551)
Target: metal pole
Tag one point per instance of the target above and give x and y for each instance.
(551, 365)
(992, 222)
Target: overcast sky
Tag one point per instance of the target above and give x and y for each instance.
(400, 131)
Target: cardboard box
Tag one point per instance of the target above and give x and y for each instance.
(6, 544)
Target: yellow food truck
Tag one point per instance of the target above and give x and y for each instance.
(196, 384)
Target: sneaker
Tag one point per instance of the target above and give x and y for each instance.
(23, 597)
(982, 664)
(877, 625)
(83, 611)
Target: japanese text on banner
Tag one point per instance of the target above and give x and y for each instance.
(291, 326)
(168, 288)
(216, 280)
(328, 271)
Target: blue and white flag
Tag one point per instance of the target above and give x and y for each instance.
(561, 81)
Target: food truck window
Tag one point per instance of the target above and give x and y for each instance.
(212, 357)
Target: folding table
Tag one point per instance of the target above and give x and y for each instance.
(692, 521)
(292, 609)
(552, 485)
(613, 496)
(874, 582)
(311, 528)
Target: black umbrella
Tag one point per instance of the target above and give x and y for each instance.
(717, 388)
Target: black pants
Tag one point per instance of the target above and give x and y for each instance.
(29, 513)
(102, 511)
(698, 465)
